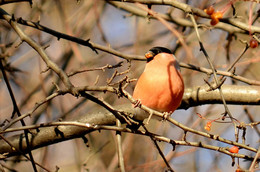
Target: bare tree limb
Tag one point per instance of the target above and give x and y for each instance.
(54, 132)
(199, 12)
(237, 95)
(219, 72)
(46, 136)
(196, 96)
(179, 21)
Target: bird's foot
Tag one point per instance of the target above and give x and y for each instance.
(137, 103)
(166, 115)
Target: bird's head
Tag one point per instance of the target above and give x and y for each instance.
(154, 51)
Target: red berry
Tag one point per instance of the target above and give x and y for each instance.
(213, 22)
(216, 15)
(208, 126)
(210, 10)
(234, 149)
(253, 43)
(239, 170)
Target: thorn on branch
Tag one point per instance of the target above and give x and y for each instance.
(38, 20)
(87, 43)
(149, 6)
(233, 162)
(20, 43)
(46, 46)
(57, 169)
(37, 130)
(74, 91)
(58, 132)
(12, 18)
(116, 65)
(224, 116)
(234, 9)
(128, 15)
(4, 122)
(45, 70)
(233, 71)
(85, 140)
(184, 136)
(31, 3)
(173, 143)
(56, 86)
(20, 20)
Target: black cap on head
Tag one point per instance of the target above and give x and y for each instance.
(156, 50)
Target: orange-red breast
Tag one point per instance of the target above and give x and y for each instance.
(160, 87)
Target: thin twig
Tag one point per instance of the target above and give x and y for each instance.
(119, 64)
(91, 127)
(219, 72)
(227, 22)
(188, 129)
(159, 149)
(251, 119)
(170, 28)
(50, 64)
(17, 111)
(16, 149)
(216, 80)
(119, 147)
(257, 155)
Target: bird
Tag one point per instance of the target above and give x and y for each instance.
(160, 86)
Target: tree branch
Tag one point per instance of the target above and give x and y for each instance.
(234, 94)
(243, 27)
(196, 96)
(39, 50)
(54, 132)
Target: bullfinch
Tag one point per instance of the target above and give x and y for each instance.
(160, 87)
